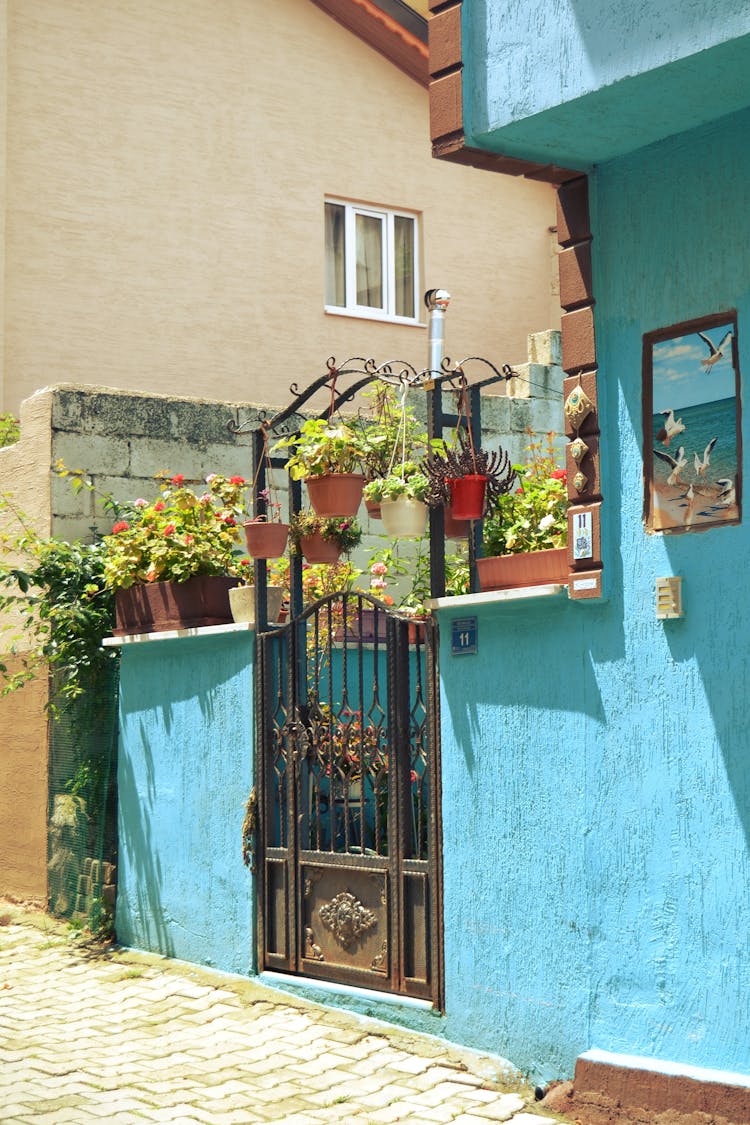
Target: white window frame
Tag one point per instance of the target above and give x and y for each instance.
(387, 215)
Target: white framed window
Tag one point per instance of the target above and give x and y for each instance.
(372, 262)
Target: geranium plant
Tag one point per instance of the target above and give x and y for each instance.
(178, 535)
(534, 516)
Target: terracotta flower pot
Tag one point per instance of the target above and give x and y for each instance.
(265, 540)
(154, 607)
(242, 601)
(404, 518)
(467, 496)
(335, 494)
(512, 572)
(373, 509)
(316, 549)
(454, 529)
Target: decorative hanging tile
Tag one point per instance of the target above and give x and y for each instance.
(578, 450)
(577, 407)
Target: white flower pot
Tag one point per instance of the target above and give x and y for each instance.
(242, 601)
(404, 518)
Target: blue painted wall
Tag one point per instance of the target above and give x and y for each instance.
(596, 761)
(184, 775)
(578, 82)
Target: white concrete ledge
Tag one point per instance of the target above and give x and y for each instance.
(490, 597)
(174, 634)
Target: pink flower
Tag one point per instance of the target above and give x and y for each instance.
(206, 498)
(189, 539)
(210, 477)
(140, 502)
(159, 506)
(121, 525)
(169, 529)
(378, 568)
(178, 480)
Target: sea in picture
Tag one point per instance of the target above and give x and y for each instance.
(677, 505)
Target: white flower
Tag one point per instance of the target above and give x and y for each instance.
(545, 522)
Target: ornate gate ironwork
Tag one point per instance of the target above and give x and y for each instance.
(349, 798)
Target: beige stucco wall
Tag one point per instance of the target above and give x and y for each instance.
(166, 169)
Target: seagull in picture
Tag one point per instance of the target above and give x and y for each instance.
(727, 497)
(715, 353)
(676, 464)
(670, 427)
(701, 466)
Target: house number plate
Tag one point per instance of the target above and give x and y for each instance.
(583, 538)
(464, 636)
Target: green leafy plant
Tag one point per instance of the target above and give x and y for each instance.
(345, 532)
(10, 430)
(178, 535)
(534, 516)
(322, 447)
(59, 606)
(407, 480)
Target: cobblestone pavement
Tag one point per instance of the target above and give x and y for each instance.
(89, 1034)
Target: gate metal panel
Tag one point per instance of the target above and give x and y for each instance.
(347, 772)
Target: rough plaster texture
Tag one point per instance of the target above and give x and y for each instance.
(23, 791)
(607, 904)
(580, 82)
(184, 776)
(166, 166)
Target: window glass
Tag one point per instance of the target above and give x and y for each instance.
(369, 236)
(335, 255)
(403, 229)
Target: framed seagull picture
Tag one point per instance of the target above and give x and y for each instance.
(692, 452)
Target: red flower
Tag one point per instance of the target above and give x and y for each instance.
(188, 540)
(121, 525)
(230, 521)
(159, 506)
(237, 480)
(178, 480)
(169, 529)
(559, 474)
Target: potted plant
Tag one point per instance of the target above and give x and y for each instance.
(391, 430)
(172, 561)
(242, 597)
(323, 539)
(464, 479)
(525, 532)
(401, 496)
(266, 534)
(327, 456)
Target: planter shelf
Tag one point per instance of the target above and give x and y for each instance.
(155, 607)
(513, 572)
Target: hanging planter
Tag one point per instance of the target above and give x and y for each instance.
(467, 496)
(316, 549)
(335, 494)
(404, 518)
(323, 540)
(265, 540)
(454, 528)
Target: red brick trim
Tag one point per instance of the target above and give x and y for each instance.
(579, 361)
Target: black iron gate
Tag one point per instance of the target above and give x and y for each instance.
(347, 849)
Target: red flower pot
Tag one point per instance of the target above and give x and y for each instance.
(467, 496)
(335, 494)
(265, 540)
(535, 568)
(316, 549)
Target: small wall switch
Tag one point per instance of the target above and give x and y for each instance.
(668, 598)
